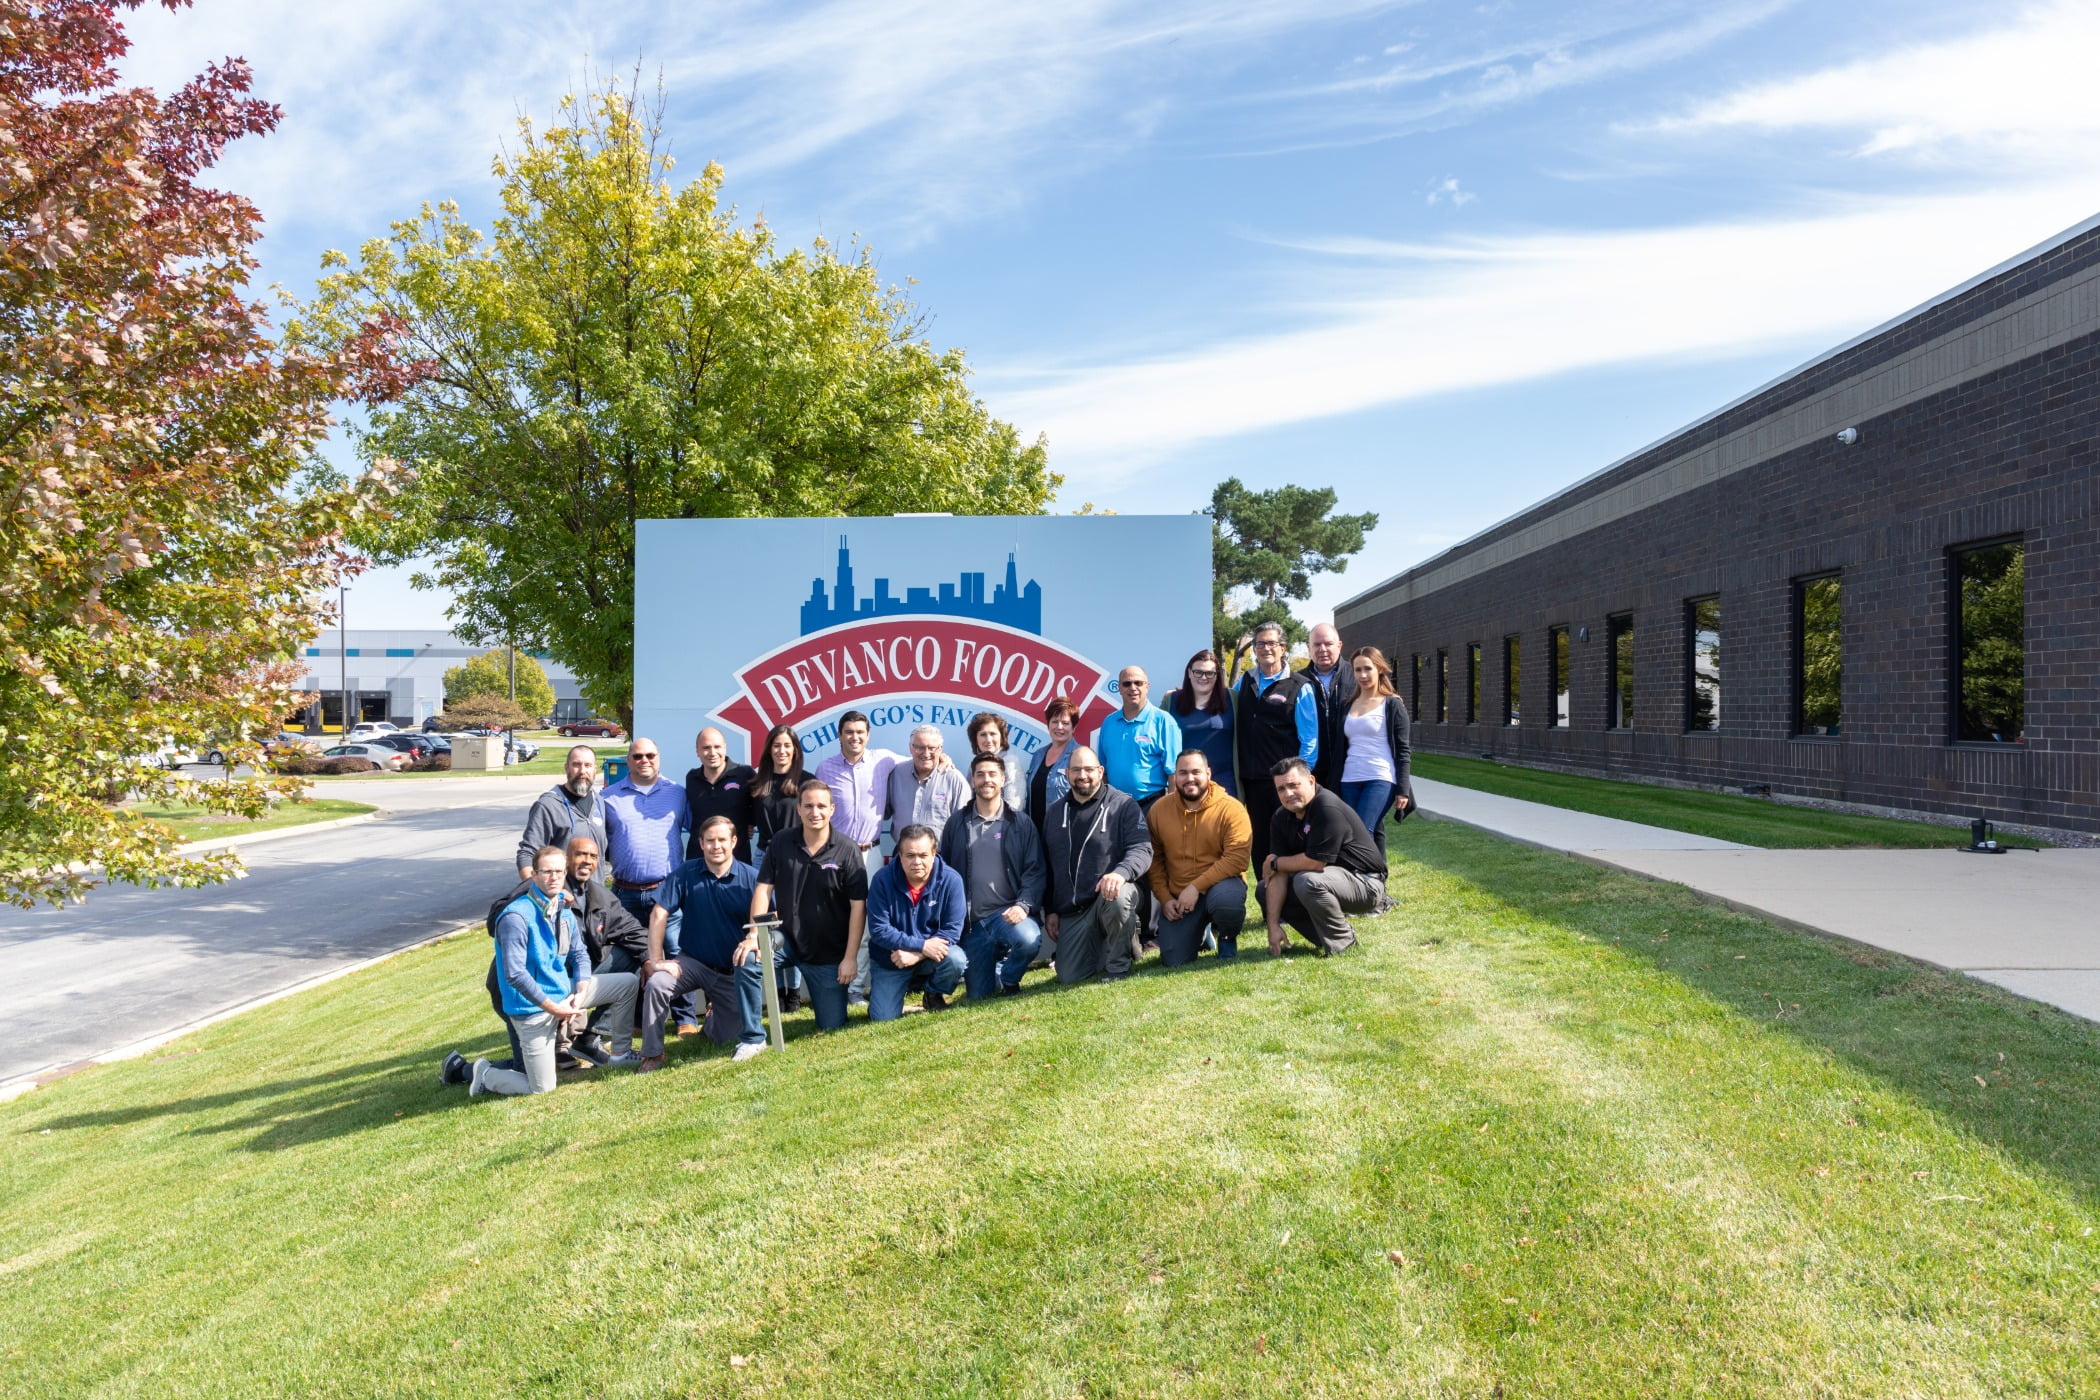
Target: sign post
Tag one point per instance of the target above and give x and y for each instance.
(763, 929)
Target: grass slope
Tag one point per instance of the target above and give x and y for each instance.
(1555, 1132)
(1754, 821)
(192, 823)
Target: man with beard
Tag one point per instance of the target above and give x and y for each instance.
(1097, 849)
(1200, 841)
(563, 811)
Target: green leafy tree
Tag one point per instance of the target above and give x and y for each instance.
(158, 561)
(621, 348)
(1994, 643)
(495, 711)
(489, 674)
(1271, 544)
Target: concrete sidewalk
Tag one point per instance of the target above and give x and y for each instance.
(2028, 921)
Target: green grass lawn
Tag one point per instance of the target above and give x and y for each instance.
(192, 823)
(1753, 821)
(1555, 1131)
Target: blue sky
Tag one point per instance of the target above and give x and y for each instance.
(1444, 257)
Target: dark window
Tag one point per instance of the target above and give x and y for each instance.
(1990, 642)
(1557, 655)
(1443, 686)
(1702, 624)
(1818, 656)
(1414, 697)
(1620, 630)
(1512, 653)
(1472, 682)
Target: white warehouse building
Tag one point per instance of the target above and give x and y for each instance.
(399, 676)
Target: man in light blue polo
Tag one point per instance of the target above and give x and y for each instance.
(1138, 743)
(645, 841)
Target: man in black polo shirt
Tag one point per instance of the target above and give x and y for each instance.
(1323, 865)
(819, 885)
(718, 788)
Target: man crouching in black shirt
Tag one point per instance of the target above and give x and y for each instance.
(1323, 865)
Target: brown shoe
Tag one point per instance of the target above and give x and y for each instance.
(688, 1029)
(934, 1001)
(650, 1065)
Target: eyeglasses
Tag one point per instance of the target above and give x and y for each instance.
(1132, 685)
(1204, 675)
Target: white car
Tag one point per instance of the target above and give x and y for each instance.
(392, 760)
(369, 728)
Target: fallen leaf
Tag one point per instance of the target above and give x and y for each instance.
(1509, 1300)
(1261, 1345)
(1980, 1080)
(1919, 1176)
(1525, 1241)
(1397, 1257)
(1155, 1278)
(1285, 1240)
(739, 1361)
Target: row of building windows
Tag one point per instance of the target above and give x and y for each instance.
(1987, 684)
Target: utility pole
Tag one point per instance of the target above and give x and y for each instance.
(342, 637)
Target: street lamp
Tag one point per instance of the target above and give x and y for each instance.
(342, 637)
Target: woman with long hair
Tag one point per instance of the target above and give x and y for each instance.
(987, 733)
(1046, 771)
(1202, 706)
(1375, 753)
(780, 777)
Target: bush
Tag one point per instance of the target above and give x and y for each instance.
(295, 764)
(336, 767)
(432, 763)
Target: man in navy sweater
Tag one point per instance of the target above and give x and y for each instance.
(916, 912)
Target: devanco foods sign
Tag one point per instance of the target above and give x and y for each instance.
(858, 664)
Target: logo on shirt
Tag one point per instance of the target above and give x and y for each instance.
(829, 865)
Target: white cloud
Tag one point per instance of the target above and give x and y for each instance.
(1447, 191)
(1395, 324)
(2023, 92)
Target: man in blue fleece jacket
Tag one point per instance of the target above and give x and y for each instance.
(916, 911)
(545, 973)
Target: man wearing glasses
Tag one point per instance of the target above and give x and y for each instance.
(1277, 716)
(1138, 743)
(645, 818)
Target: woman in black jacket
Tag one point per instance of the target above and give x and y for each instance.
(1374, 777)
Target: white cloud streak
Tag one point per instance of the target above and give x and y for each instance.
(1396, 325)
(2023, 93)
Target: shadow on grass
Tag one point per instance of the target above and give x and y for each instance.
(293, 1112)
(1928, 1034)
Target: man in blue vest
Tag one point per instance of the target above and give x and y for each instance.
(547, 982)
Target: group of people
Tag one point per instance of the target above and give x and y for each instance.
(1083, 855)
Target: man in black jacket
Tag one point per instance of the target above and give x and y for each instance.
(995, 849)
(1323, 865)
(1276, 716)
(1098, 849)
(1333, 686)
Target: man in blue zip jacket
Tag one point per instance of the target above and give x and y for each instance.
(546, 978)
(916, 911)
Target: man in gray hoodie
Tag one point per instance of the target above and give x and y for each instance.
(571, 809)
(1098, 849)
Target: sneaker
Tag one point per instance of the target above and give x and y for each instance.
(934, 1001)
(454, 1070)
(1009, 989)
(629, 1060)
(570, 1062)
(593, 1051)
(1228, 947)
(474, 1085)
(1210, 941)
(650, 1065)
(749, 1050)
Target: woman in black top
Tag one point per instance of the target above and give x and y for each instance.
(780, 777)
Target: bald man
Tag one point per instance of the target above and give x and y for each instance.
(1139, 742)
(1333, 686)
(1098, 851)
(718, 788)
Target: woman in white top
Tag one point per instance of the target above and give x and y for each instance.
(1374, 746)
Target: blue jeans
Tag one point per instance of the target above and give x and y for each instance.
(827, 995)
(982, 942)
(1223, 908)
(1372, 800)
(738, 991)
(685, 1009)
(887, 985)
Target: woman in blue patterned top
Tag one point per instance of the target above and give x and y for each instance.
(1202, 706)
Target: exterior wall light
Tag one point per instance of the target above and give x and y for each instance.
(1848, 436)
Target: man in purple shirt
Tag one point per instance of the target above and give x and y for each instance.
(645, 834)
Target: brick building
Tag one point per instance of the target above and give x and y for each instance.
(1875, 580)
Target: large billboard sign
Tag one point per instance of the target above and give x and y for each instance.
(744, 624)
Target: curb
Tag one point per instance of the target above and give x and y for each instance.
(16, 1087)
(222, 843)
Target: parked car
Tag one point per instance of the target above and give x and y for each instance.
(392, 760)
(292, 740)
(524, 750)
(170, 756)
(414, 745)
(370, 729)
(433, 725)
(591, 729)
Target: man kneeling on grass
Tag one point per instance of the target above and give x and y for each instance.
(715, 954)
(1322, 866)
(547, 981)
(916, 909)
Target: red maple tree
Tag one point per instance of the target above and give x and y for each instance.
(165, 553)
